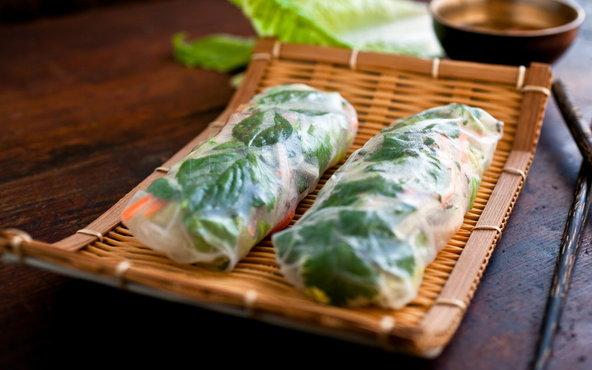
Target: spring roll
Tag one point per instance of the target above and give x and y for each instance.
(384, 215)
(245, 182)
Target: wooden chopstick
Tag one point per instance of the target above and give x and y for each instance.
(576, 219)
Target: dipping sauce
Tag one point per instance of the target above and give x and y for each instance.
(501, 25)
(506, 31)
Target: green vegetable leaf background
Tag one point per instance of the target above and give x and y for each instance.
(222, 53)
(390, 26)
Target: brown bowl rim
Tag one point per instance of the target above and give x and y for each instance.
(579, 19)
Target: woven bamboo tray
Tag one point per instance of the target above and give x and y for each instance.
(382, 88)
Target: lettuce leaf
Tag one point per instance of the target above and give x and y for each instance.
(392, 26)
(221, 52)
(389, 26)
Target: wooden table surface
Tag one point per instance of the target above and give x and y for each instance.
(91, 103)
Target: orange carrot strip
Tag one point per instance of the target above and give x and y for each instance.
(251, 229)
(286, 221)
(155, 206)
(133, 209)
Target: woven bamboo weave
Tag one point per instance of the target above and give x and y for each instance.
(382, 88)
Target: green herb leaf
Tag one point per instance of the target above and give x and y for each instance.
(230, 145)
(448, 128)
(289, 96)
(474, 186)
(222, 53)
(393, 147)
(341, 274)
(336, 253)
(253, 130)
(227, 180)
(346, 193)
(262, 229)
(310, 112)
(323, 154)
(213, 231)
(162, 189)
(318, 149)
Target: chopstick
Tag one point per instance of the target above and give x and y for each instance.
(579, 130)
(574, 225)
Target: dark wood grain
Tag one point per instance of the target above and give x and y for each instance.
(92, 102)
(20, 10)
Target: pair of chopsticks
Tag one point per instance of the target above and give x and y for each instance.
(576, 220)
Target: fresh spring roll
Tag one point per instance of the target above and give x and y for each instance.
(383, 216)
(235, 188)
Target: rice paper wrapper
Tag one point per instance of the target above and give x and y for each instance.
(235, 188)
(384, 215)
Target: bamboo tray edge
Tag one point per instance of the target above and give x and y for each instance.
(425, 338)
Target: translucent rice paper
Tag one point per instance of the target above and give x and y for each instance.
(235, 188)
(383, 216)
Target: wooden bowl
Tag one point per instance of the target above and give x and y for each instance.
(513, 32)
